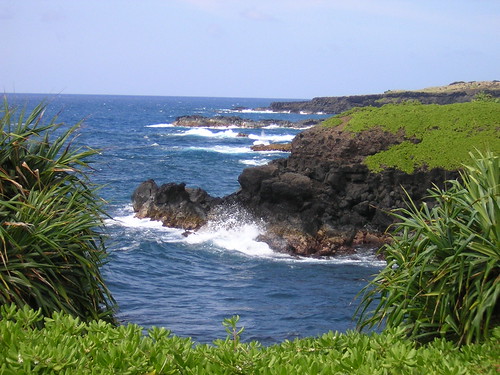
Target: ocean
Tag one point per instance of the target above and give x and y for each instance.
(189, 285)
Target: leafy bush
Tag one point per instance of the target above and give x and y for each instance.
(443, 267)
(68, 345)
(483, 96)
(50, 244)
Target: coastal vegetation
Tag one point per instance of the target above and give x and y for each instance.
(68, 345)
(436, 299)
(443, 265)
(437, 136)
(51, 243)
(456, 92)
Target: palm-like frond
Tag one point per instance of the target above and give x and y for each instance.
(51, 243)
(443, 270)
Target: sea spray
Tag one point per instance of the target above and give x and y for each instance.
(205, 132)
(234, 229)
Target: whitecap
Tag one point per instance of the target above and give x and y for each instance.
(261, 143)
(205, 132)
(249, 110)
(223, 149)
(131, 221)
(144, 229)
(363, 258)
(234, 230)
(273, 138)
(255, 162)
(241, 238)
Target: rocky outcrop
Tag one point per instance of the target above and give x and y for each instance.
(227, 121)
(283, 147)
(457, 92)
(320, 201)
(173, 204)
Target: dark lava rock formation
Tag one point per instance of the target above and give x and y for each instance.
(173, 204)
(457, 92)
(226, 121)
(320, 201)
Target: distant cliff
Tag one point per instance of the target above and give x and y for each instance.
(457, 92)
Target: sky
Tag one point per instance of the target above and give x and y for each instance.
(245, 48)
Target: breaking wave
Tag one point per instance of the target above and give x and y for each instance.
(205, 132)
(233, 230)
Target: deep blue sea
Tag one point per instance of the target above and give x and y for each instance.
(189, 285)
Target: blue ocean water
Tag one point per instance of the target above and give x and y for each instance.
(189, 285)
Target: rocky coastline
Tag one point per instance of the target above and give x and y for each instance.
(197, 121)
(456, 92)
(320, 201)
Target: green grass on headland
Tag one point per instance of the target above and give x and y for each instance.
(438, 135)
(67, 345)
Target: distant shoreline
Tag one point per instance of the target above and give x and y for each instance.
(456, 92)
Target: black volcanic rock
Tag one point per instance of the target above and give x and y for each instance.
(338, 104)
(173, 204)
(320, 201)
(323, 200)
(226, 121)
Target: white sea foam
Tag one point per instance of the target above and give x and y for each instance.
(261, 143)
(143, 228)
(249, 110)
(223, 149)
(272, 138)
(254, 162)
(160, 126)
(233, 230)
(205, 132)
(241, 238)
(130, 221)
(363, 258)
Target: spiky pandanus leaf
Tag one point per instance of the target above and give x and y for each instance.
(443, 267)
(51, 243)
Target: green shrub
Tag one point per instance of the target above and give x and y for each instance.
(442, 277)
(51, 247)
(67, 345)
(485, 97)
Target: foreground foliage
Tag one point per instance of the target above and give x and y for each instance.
(436, 135)
(50, 245)
(68, 345)
(443, 268)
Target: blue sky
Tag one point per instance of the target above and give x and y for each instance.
(245, 48)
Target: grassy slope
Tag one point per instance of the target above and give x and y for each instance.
(445, 133)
